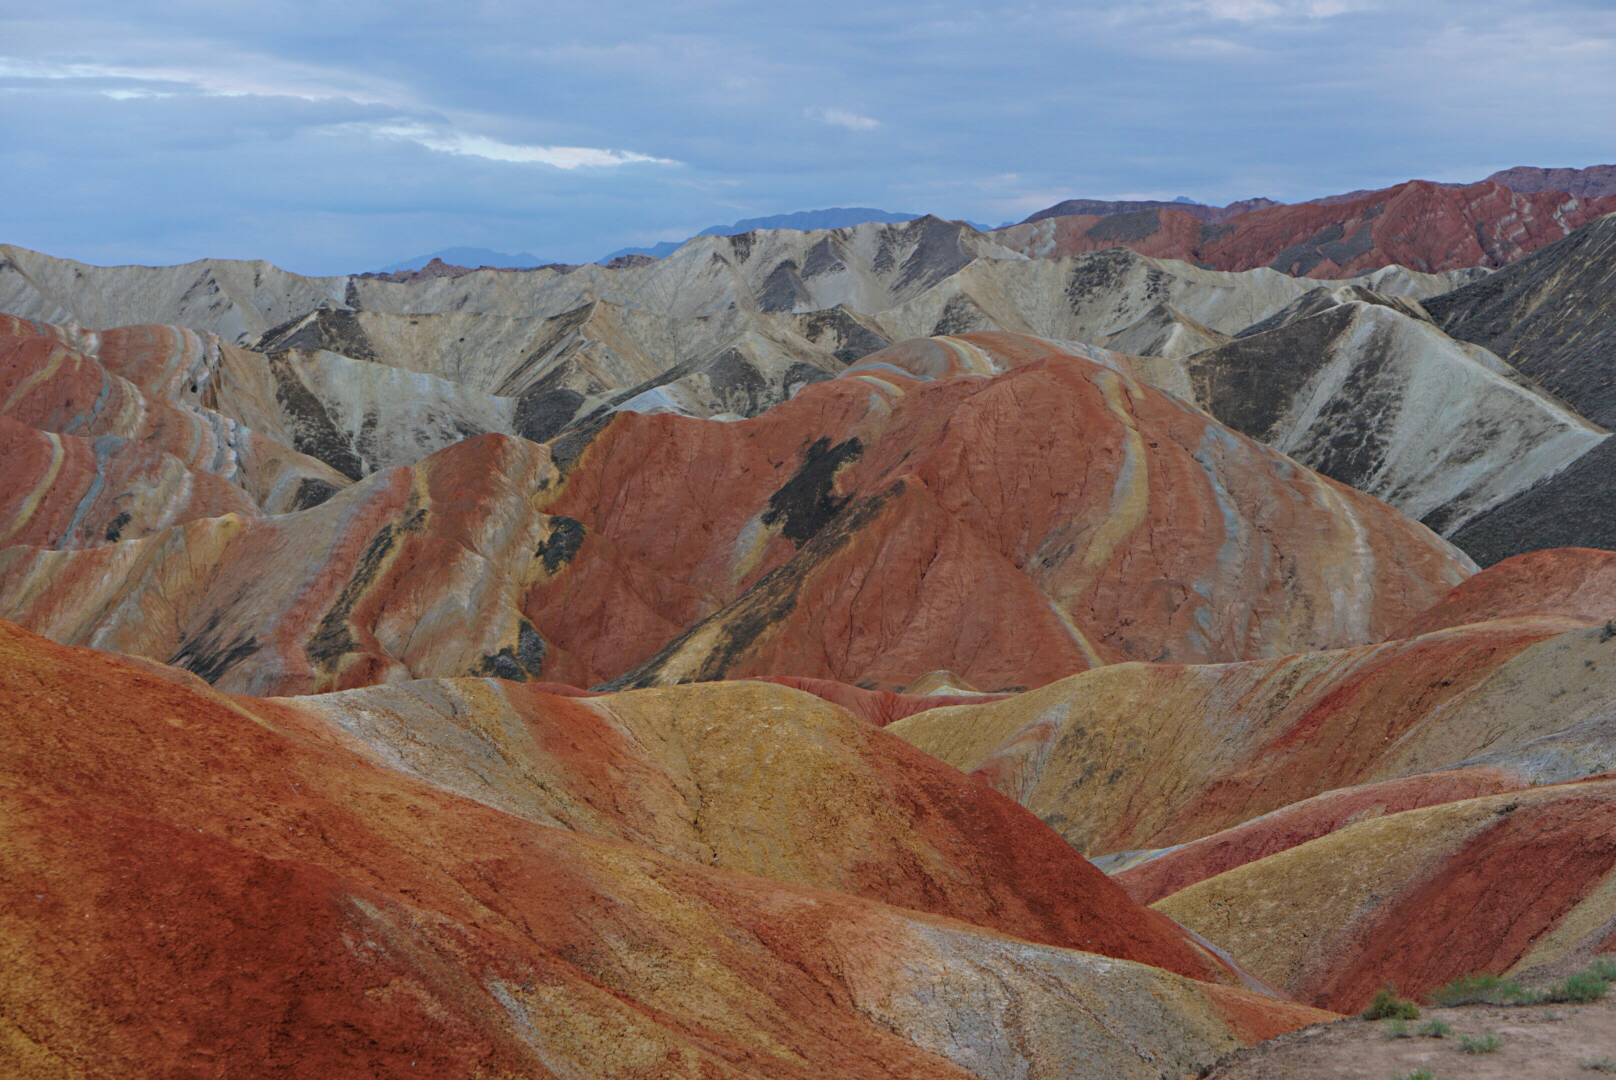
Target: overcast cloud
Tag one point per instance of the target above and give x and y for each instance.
(338, 137)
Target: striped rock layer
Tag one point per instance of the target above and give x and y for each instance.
(1522, 883)
(196, 881)
(1421, 225)
(874, 528)
(1145, 756)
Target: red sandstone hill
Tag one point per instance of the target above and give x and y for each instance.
(872, 529)
(1421, 225)
(199, 885)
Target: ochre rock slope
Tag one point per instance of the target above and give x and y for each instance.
(195, 881)
(1575, 584)
(874, 528)
(879, 707)
(1421, 225)
(1508, 882)
(759, 779)
(1138, 756)
(1149, 876)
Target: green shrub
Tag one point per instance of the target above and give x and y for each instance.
(1436, 1029)
(1482, 988)
(1417, 1074)
(1395, 1029)
(1582, 987)
(1605, 968)
(1483, 1044)
(1386, 1005)
(1606, 1064)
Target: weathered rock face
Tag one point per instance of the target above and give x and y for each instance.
(1512, 882)
(1378, 399)
(1151, 875)
(306, 896)
(1574, 507)
(1596, 181)
(1028, 499)
(1424, 226)
(1552, 316)
(1567, 583)
(1191, 751)
(872, 529)
(154, 427)
(414, 571)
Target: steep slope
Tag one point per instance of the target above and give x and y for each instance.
(1384, 402)
(161, 431)
(195, 882)
(1508, 882)
(876, 527)
(1424, 226)
(1552, 315)
(1026, 499)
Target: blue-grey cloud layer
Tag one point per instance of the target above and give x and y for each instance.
(333, 137)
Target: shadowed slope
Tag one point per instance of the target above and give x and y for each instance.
(193, 884)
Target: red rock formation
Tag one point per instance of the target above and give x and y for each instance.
(62, 491)
(1037, 499)
(195, 881)
(1575, 585)
(51, 380)
(1515, 882)
(1420, 225)
(1309, 819)
(874, 528)
(1194, 750)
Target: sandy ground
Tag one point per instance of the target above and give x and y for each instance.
(1540, 1042)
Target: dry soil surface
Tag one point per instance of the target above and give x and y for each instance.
(1542, 1042)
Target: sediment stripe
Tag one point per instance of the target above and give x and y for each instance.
(31, 503)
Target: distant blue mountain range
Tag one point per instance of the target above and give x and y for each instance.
(836, 217)
(469, 256)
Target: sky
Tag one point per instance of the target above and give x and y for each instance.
(332, 138)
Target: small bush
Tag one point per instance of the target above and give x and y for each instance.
(1417, 1074)
(1395, 1029)
(1580, 988)
(1481, 988)
(1436, 1029)
(1606, 1064)
(1605, 968)
(1386, 1005)
(1482, 1044)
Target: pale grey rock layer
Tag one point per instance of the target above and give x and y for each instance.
(1353, 379)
